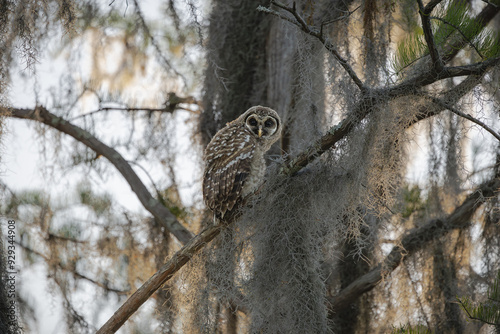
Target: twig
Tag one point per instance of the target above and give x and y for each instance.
(159, 211)
(167, 110)
(490, 3)
(482, 19)
(475, 318)
(117, 109)
(171, 104)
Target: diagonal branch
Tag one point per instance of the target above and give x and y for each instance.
(445, 105)
(457, 29)
(415, 240)
(160, 212)
(365, 107)
(301, 23)
(176, 262)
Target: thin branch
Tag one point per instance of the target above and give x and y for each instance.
(171, 104)
(158, 50)
(482, 20)
(71, 271)
(474, 318)
(460, 31)
(159, 211)
(300, 22)
(340, 18)
(461, 114)
(118, 109)
(415, 240)
(490, 3)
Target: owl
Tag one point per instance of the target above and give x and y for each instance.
(234, 158)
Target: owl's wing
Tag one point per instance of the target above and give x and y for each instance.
(228, 159)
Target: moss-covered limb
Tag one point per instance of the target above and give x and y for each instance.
(414, 241)
(327, 141)
(366, 105)
(414, 84)
(370, 97)
(160, 212)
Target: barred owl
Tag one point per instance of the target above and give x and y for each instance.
(234, 158)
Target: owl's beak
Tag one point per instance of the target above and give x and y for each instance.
(260, 132)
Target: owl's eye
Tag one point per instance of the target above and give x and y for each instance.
(269, 123)
(252, 122)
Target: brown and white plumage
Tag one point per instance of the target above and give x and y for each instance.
(235, 165)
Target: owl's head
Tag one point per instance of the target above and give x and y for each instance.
(264, 123)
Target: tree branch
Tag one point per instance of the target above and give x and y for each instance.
(301, 23)
(412, 85)
(425, 12)
(464, 307)
(457, 29)
(171, 104)
(176, 262)
(159, 211)
(415, 240)
(370, 96)
(444, 105)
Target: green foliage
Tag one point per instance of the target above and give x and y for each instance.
(412, 201)
(411, 49)
(170, 199)
(70, 230)
(30, 197)
(451, 22)
(488, 311)
(408, 329)
(99, 203)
